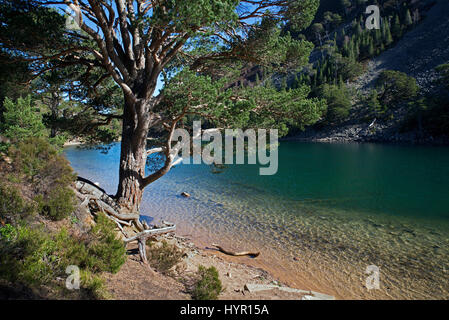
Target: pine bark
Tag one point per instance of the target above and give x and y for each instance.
(136, 121)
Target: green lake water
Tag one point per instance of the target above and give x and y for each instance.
(329, 212)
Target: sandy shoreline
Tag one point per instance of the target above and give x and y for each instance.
(263, 262)
(136, 280)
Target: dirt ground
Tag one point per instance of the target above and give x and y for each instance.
(138, 281)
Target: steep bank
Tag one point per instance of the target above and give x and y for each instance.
(367, 132)
(417, 54)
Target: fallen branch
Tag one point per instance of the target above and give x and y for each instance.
(150, 233)
(144, 235)
(237, 254)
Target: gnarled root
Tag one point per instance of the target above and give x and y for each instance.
(94, 200)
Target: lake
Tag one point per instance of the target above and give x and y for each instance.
(331, 211)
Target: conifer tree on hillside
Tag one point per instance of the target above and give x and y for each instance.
(396, 28)
(408, 18)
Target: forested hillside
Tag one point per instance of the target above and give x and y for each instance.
(356, 69)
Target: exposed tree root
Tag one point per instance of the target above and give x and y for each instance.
(94, 200)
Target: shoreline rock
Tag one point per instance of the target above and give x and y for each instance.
(365, 134)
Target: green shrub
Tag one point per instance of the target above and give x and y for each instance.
(29, 256)
(395, 87)
(109, 251)
(100, 251)
(431, 114)
(13, 178)
(32, 155)
(58, 141)
(164, 257)
(36, 257)
(93, 286)
(208, 286)
(375, 108)
(350, 68)
(21, 120)
(10, 201)
(443, 72)
(13, 207)
(59, 203)
(50, 174)
(8, 232)
(74, 251)
(338, 100)
(41, 263)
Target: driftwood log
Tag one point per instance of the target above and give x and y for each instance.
(94, 200)
(238, 253)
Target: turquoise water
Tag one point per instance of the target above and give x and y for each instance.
(331, 209)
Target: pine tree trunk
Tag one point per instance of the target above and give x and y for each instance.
(132, 157)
